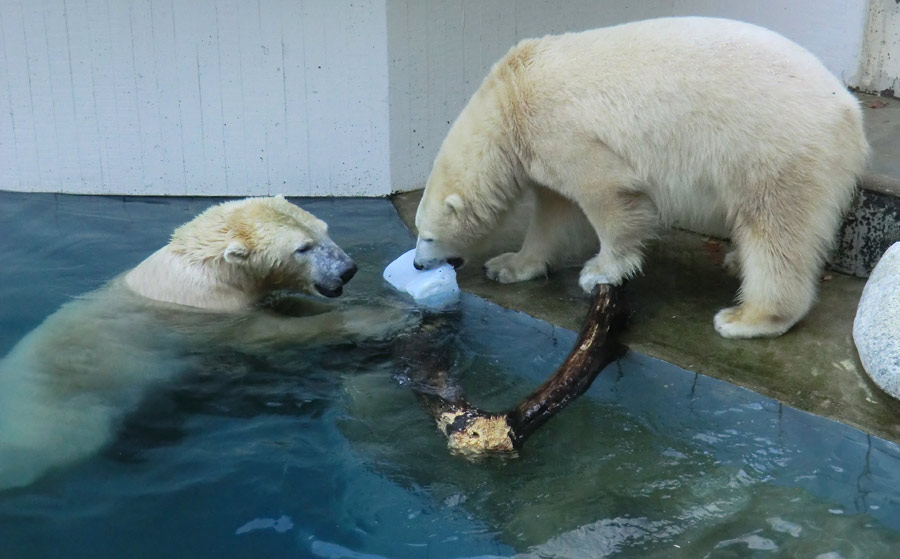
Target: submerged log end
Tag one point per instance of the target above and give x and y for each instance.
(472, 432)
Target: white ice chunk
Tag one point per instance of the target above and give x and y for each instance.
(435, 288)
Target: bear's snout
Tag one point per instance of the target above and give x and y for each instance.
(455, 261)
(348, 274)
(431, 253)
(332, 268)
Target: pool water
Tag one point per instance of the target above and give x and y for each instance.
(320, 451)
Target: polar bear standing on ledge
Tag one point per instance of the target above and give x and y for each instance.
(65, 386)
(640, 125)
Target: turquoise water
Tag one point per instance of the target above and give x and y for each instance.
(319, 451)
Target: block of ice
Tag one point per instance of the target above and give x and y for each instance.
(435, 288)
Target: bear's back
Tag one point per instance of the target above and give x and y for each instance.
(695, 100)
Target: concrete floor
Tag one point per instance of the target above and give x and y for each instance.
(814, 367)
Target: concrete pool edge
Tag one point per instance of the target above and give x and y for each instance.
(814, 368)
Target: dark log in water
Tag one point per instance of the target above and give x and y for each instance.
(470, 430)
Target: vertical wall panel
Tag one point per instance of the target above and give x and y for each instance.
(171, 170)
(24, 131)
(255, 83)
(91, 161)
(296, 108)
(271, 64)
(210, 97)
(346, 75)
(126, 134)
(8, 156)
(40, 91)
(95, 46)
(143, 54)
(65, 124)
(315, 50)
(880, 70)
(190, 29)
(366, 91)
(231, 92)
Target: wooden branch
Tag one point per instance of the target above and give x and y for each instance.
(472, 431)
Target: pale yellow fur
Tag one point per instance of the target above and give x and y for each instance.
(193, 269)
(698, 121)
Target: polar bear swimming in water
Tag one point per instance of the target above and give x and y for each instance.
(689, 120)
(66, 386)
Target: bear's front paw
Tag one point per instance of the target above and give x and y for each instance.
(512, 267)
(377, 322)
(603, 269)
(587, 280)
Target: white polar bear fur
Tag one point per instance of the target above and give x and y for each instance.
(65, 386)
(637, 126)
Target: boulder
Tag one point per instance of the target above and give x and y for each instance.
(876, 329)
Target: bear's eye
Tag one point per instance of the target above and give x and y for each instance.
(304, 248)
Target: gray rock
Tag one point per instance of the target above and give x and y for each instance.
(876, 330)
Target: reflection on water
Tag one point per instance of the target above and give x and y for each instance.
(318, 451)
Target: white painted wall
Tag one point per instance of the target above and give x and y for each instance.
(880, 70)
(194, 96)
(304, 97)
(441, 49)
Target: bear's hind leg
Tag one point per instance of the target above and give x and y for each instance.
(548, 236)
(780, 259)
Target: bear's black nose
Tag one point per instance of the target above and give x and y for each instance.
(349, 273)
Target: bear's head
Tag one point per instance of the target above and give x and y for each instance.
(468, 191)
(447, 220)
(261, 245)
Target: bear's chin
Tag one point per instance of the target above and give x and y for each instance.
(329, 292)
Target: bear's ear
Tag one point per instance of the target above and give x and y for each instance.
(236, 253)
(454, 202)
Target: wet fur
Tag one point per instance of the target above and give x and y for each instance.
(67, 385)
